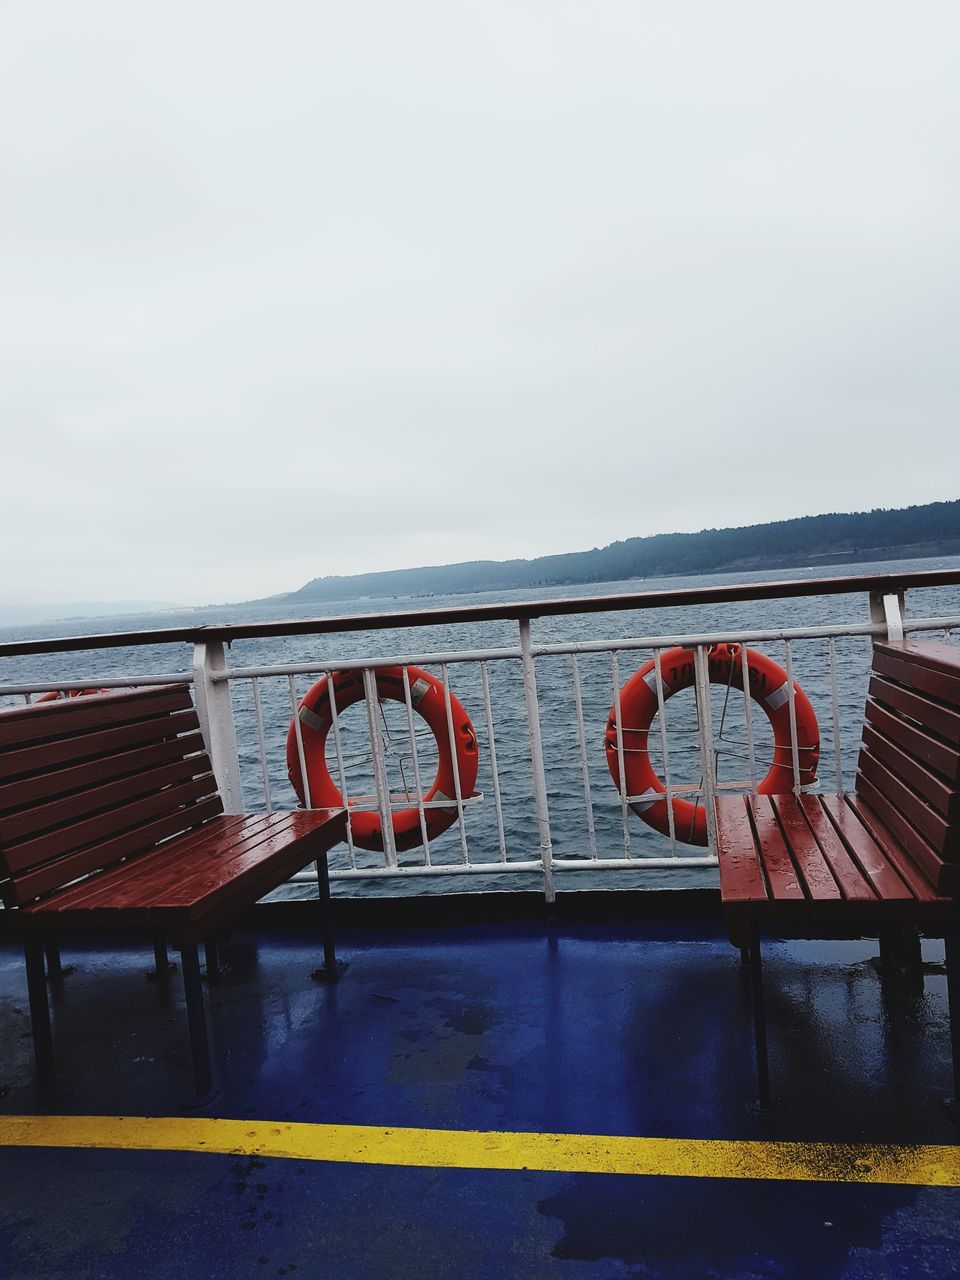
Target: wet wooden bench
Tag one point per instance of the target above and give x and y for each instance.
(818, 866)
(110, 818)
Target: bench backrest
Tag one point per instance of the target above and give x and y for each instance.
(86, 782)
(909, 767)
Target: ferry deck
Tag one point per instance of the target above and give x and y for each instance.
(504, 1083)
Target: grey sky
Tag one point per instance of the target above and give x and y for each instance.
(292, 288)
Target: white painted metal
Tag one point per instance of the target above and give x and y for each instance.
(835, 715)
(518, 865)
(341, 766)
(452, 738)
(748, 715)
(705, 722)
(536, 759)
(893, 617)
(584, 762)
(792, 708)
(662, 716)
(261, 744)
(621, 764)
(379, 766)
(415, 757)
(492, 748)
(216, 720)
(298, 735)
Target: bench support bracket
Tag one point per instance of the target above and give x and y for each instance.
(40, 1017)
(196, 1020)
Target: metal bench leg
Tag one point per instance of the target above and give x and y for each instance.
(951, 944)
(211, 954)
(764, 1107)
(196, 1020)
(40, 1018)
(332, 968)
(55, 970)
(162, 965)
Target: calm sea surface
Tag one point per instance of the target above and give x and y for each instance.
(561, 751)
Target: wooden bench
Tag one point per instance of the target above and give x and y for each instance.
(816, 866)
(110, 818)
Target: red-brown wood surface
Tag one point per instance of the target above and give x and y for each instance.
(62, 782)
(872, 860)
(936, 791)
(741, 876)
(58, 753)
(915, 882)
(201, 877)
(935, 655)
(779, 870)
(54, 875)
(943, 836)
(107, 807)
(818, 879)
(932, 716)
(925, 747)
(854, 881)
(945, 877)
(21, 726)
(902, 667)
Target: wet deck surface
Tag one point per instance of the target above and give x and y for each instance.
(577, 1030)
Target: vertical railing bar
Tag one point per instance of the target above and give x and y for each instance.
(298, 734)
(662, 711)
(748, 717)
(341, 767)
(705, 725)
(379, 767)
(792, 696)
(492, 744)
(408, 699)
(584, 762)
(835, 711)
(621, 766)
(261, 744)
(532, 702)
(452, 736)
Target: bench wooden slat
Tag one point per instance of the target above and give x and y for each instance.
(944, 876)
(944, 837)
(155, 868)
(927, 712)
(855, 885)
(781, 875)
(741, 876)
(108, 801)
(869, 857)
(918, 884)
(819, 881)
(937, 793)
(60, 752)
(22, 726)
(102, 826)
(62, 782)
(901, 666)
(55, 875)
(932, 751)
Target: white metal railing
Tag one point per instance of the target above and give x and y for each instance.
(264, 697)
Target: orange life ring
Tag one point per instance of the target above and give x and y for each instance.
(429, 701)
(638, 706)
(55, 694)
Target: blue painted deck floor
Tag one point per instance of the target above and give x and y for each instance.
(593, 1030)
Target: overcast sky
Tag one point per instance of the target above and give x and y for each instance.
(292, 289)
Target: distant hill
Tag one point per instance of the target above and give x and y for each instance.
(931, 530)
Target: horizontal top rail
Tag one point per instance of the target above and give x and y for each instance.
(884, 583)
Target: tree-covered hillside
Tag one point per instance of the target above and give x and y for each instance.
(933, 529)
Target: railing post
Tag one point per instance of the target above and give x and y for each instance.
(889, 609)
(536, 759)
(216, 721)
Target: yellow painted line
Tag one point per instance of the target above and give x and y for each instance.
(934, 1166)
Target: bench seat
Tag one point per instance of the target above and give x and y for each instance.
(190, 886)
(110, 817)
